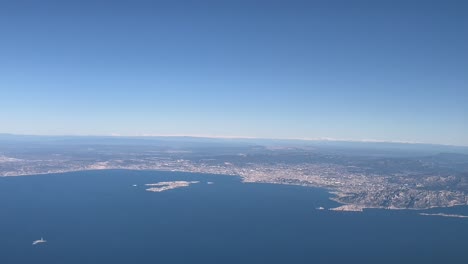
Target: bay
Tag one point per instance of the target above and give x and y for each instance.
(100, 217)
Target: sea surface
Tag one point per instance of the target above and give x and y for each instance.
(100, 217)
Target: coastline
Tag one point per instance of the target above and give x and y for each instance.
(343, 207)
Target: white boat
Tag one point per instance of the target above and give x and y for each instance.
(35, 242)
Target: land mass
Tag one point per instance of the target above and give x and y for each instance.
(390, 176)
(168, 185)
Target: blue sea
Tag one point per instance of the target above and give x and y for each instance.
(100, 217)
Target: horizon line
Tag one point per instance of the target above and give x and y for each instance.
(327, 139)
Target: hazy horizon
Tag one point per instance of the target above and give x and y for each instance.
(233, 138)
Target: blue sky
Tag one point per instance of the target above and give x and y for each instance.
(380, 70)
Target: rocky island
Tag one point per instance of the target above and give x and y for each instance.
(168, 185)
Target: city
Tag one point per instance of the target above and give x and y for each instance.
(356, 181)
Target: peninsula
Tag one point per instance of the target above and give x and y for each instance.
(445, 215)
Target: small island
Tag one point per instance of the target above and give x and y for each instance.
(169, 185)
(348, 208)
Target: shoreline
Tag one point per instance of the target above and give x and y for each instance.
(343, 207)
